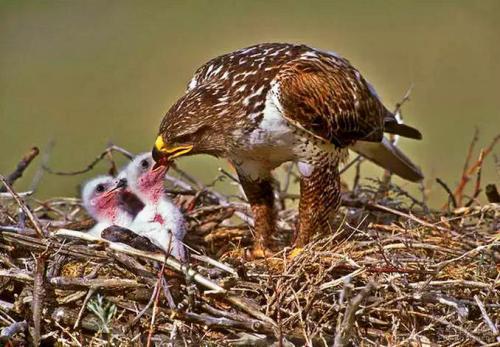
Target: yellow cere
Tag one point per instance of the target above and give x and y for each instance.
(159, 144)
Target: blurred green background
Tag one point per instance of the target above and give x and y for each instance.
(83, 73)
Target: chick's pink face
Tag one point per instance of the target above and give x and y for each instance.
(150, 178)
(105, 200)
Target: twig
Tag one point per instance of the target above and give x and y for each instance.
(208, 320)
(229, 175)
(90, 292)
(448, 324)
(351, 163)
(148, 305)
(406, 98)
(470, 253)
(25, 208)
(288, 177)
(90, 166)
(414, 245)
(357, 176)
(486, 151)
(21, 166)
(37, 244)
(65, 330)
(20, 194)
(102, 283)
(409, 216)
(464, 178)
(155, 304)
(470, 170)
(188, 177)
(223, 322)
(344, 331)
(477, 186)
(339, 281)
(453, 284)
(17, 274)
(38, 295)
(215, 263)
(37, 177)
(487, 318)
(451, 197)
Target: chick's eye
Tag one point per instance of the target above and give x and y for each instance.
(144, 164)
(99, 188)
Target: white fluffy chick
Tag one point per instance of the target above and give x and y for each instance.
(102, 199)
(160, 220)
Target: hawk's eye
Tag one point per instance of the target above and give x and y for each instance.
(144, 164)
(100, 188)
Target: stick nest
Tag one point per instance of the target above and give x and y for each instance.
(391, 272)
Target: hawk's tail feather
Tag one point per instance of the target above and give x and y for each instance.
(393, 127)
(391, 158)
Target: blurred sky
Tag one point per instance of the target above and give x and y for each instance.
(84, 73)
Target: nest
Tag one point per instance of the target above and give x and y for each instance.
(391, 272)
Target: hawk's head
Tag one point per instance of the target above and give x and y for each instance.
(193, 126)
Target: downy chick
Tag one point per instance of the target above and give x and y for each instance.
(102, 199)
(160, 220)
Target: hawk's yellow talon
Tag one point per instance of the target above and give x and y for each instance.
(295, 252)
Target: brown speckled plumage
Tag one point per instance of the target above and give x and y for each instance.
(270, 103)
(319, 198)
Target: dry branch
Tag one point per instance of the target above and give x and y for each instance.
(21, 166)
(106, 153)
(345, 329)
(39, 293)
(99, 283)
(23, 206)
(487, 318)
(469, 170)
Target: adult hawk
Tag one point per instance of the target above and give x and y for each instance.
(274, 102)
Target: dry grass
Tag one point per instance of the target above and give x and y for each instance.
(391, 272)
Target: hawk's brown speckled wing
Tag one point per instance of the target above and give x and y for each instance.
(324, 94)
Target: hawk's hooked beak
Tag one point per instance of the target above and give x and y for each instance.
(162, 154)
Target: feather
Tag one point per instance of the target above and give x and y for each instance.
(393, 127)
(388, 156)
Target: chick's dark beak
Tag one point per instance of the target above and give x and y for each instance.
(122, 183)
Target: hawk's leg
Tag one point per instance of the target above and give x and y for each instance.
(319, 198)
(260, 195)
